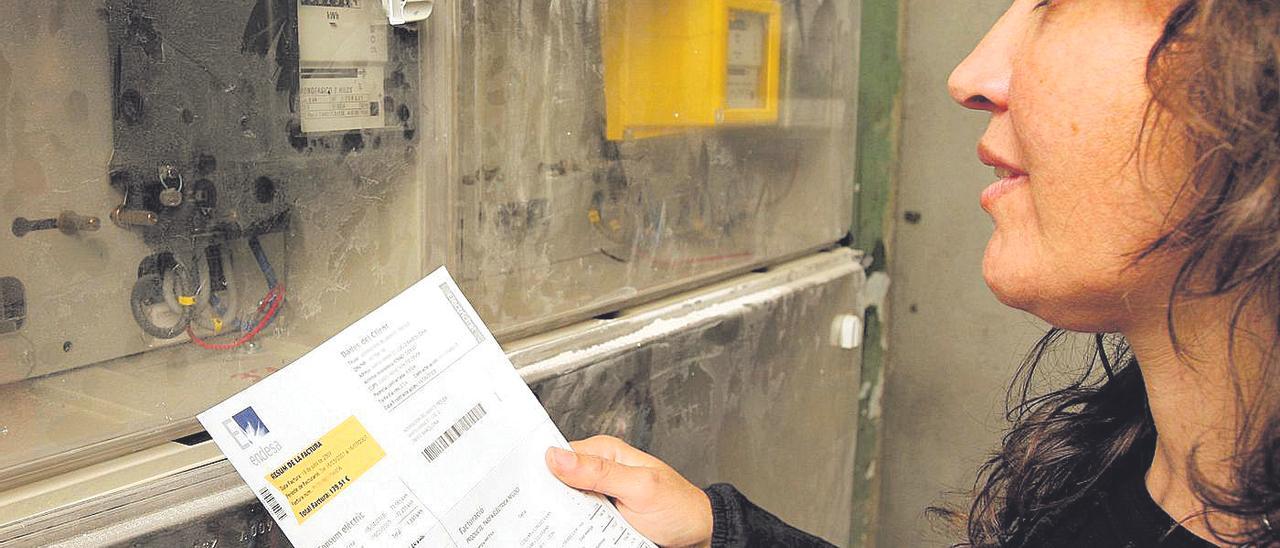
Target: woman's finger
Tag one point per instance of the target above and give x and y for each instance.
(601, 475)
(614, 449)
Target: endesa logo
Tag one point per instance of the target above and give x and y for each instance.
(245, 427)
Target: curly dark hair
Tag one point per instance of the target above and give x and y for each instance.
(1214, 74)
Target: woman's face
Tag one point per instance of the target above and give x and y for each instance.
(1064, 83)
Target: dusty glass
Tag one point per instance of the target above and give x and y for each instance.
(194, 193)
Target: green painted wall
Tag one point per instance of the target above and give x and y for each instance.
(879, 120)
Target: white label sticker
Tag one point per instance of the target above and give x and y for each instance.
(342, 47)
(341, 98)
(748, 37)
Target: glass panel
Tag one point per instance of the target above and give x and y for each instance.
(179, 174)
(194, 193)
(604, 154)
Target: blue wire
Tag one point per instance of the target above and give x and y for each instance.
(256, 247)
(221, 309)
(217, 304)
(263, 264)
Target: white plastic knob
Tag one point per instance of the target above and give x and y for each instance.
(402, 12)
(846, 331)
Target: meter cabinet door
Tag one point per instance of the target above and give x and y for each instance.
(192, 193)
(612, 150)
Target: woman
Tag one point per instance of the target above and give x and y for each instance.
(1137, 146)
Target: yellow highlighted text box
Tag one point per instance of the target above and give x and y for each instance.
(315, 475)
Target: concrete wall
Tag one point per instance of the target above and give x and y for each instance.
(953, 347)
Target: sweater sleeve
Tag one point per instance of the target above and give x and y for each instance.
(738, 523)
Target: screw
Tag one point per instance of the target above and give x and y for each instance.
(133, 217)
(23, 226)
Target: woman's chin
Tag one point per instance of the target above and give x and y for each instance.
(1009, 293)
(1019, 285)
(1069, 310)
(1007, 282)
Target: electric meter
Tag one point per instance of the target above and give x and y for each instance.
(690, 63)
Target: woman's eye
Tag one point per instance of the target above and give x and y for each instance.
(1042, 4)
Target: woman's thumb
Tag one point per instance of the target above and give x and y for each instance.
(592, 473)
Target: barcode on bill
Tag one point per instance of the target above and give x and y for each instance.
(433, 451)
(269, 500)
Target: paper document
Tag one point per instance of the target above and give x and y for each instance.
(409, 428)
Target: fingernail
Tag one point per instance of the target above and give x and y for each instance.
(563, 459)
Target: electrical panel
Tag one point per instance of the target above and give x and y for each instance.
(195, 193)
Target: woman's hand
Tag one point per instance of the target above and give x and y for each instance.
(653, 497)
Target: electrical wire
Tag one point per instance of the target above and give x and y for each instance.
(267, 308)
(272, 302)
(228, 305)
(263, 264)
(140, 299)
(170, 293)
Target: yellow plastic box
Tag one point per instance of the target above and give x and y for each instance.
(671, 65)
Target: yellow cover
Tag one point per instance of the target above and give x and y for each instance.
(667, 64)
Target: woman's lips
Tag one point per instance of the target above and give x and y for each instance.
(1009, 180)
(1009, 174)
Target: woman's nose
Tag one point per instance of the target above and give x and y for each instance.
(975, 92)
(981, 81)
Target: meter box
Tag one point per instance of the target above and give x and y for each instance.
(672, 64)
(194, 193)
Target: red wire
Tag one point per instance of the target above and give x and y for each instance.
(274, 297)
